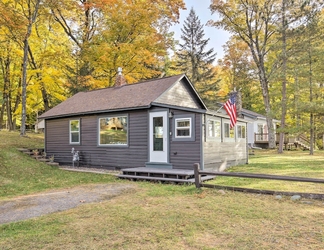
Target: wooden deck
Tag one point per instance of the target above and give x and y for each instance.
(290, 142)
(161, 175)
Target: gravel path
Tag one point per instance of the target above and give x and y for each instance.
(26, 207)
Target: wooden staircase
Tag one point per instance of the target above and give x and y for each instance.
(38, 154)
(303, 142)
(161, 175)
(300, 141)
(302, 145)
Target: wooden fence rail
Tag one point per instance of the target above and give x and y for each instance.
(199, 183)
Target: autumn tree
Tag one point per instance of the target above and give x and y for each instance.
(30, 15)
(19, 18)
(44, 74)
(254, 21)
(308, 65)
(80, 20)
(108, 34)
(239, 72)
(134, 37)
(47, 59)
(10, 81)
(263, 25)
(293, 16)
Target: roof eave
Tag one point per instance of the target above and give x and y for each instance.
(95, 112)
(178, 107)
(216, 114)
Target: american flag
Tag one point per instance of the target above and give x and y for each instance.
(230, 107)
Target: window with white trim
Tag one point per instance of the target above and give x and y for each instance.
(228, 132)
(214, 129)
(113, 130)
(183, 128)
(74, 131)
(241, 131)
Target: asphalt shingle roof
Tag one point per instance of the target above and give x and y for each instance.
(114, 98)
(252, 113)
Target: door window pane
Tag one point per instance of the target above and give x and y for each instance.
(158, 133)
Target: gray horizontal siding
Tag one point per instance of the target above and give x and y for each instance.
(216, 152)
(183, 154)
(114, 157)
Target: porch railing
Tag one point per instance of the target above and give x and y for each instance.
(300, 140)
(264, 137)
(303, 139)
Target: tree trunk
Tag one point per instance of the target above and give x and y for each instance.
(311, 117)
(9, 115)
(1, 115)
(6, 92)
(24, 89)
(264, 82)
(266, 100)
(31, 18)
(37, 68)
(284, 80)
(311, 140)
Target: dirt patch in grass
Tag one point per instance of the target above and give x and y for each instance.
(29, 206)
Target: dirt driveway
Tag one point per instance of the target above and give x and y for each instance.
(29, 206)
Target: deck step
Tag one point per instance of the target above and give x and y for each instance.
(155, 178)
(139, 177)
(161, 174)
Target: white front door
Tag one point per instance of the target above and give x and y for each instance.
(159, 136)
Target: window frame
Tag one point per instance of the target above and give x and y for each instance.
(230, 136)
(213, 122)
(191, 127)
(115, 144)
(239, 131)
(78, 132)
(177, 128)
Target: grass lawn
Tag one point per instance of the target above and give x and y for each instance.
(156, 216)
(290, 163)
(21, 174)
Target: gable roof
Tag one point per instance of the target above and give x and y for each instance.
(256, 116)
(252, 114)
(132, 96)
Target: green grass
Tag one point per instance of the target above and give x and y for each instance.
(20, 174)
(291, 163)
(158, 216)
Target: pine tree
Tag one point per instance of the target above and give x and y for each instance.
(192, 57)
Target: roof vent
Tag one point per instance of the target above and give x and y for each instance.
(120, 79)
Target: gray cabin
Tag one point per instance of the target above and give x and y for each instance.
(161, 123)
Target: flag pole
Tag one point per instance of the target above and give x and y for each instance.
(219, 108)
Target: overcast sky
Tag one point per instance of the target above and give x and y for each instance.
(217, 37)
